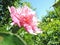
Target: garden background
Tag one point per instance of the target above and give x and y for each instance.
(50, 25)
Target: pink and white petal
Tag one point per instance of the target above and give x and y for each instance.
(29, 29)
(12, 23)
(19, 24)
(36, 29)
(9, 9)
(15, 20)
(12, 9)
(18, 10)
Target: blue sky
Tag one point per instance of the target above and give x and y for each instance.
(41, 6)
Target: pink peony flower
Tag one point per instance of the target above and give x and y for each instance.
(25, 17)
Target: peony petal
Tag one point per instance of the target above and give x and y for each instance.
(36, 29)
(29, 29)
(12, 23)
(12, 9)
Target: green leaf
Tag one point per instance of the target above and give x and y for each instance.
(11, 39)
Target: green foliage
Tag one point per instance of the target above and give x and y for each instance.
(51, 29)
